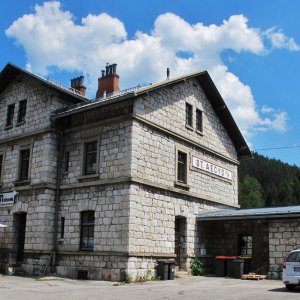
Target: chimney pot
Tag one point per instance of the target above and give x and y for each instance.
(109, 82)
(78, 84)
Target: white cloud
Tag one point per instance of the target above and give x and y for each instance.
(279, 40)
(51, 38)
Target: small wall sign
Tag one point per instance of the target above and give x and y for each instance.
(211, 168)
(8, 199)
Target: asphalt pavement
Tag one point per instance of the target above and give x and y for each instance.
(24, 288)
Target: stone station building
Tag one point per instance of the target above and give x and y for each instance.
(103, 188)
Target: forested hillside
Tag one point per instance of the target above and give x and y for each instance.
(265, 182)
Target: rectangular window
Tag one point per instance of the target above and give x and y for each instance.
(1, 165)
(246, 245)
(90, 158)
(87, 230)
(10, 115)
(182, 167)
(22, 110)
(199, 122)
(62, 227)
(189, 114)
(67, 159)
(24, 164)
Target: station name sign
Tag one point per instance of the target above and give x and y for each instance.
(7, 199)
(211, 168)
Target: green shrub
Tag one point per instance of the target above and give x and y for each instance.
(196, 266)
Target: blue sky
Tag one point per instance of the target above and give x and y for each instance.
(250, 48)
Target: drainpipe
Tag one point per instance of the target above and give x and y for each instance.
(60, 135)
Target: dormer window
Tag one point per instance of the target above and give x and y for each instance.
(22, 111)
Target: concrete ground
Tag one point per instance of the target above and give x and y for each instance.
(21, 288)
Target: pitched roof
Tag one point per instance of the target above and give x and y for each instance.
(252, 213)
(11, 71)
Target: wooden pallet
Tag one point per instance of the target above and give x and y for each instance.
(253, 276)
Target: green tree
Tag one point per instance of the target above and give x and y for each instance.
(250, 193)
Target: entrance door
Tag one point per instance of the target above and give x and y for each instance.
(21, 228)
(180, 242)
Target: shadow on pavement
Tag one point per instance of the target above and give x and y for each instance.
(284, 290)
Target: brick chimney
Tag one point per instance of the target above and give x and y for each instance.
(78, 85)
(109, 82)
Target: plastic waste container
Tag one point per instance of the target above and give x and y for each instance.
(229, 266)
(247, 263)
(172, 267)
(238, 268)
(163, 269)
(220, 263)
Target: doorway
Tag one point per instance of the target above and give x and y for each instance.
(180, 243)
(21, 229)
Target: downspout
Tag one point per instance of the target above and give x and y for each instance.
(59, 133)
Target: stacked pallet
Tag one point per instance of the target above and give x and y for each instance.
(253, 276)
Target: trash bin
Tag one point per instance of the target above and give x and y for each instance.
(247, 263)
(163, 269)
(238, 268)
(220, 266)
(229, 265)
(172, 267)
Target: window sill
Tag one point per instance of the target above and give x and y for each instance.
(181, 185)
(20, 123)
(8, 127)
(87, 249)
(200, 132)
(88, 177)
(189, 127)
(22, 182)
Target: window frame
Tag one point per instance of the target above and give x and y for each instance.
(199, 124)
(88, 153)
(62, 227)
(66, 161)
(189, 115)
(90, 225)
(186, 152)
(1, 166)
(18, 174)
(246, 249)
(24, 162)
(10, 115)
(83, 157)
(22, 110)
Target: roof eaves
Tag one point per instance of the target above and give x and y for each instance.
(11, 68)
(92, 105)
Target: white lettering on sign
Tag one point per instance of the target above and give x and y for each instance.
(211, 168)
(7, 199)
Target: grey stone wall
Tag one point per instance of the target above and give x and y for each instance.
(152, 226)
(41, 102)
(114, 151)
(111, 206)
(166, 107)
(284, 236)
(160, 131)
